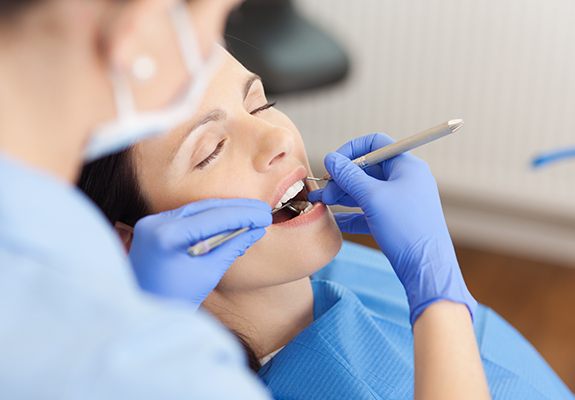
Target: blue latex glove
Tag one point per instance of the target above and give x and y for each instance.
(402, 211)
(159, 248)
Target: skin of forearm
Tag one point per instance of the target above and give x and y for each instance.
(447, 360)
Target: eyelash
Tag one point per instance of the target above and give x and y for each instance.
(263, 108)
(220, 145)
(212, 156)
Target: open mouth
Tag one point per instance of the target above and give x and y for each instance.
(292, 204)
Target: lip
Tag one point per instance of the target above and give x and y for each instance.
(318, 210)
(296, 175)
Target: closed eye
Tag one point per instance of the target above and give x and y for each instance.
(212, 156)
(263, 108)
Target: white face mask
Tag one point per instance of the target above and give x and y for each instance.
(132, 125)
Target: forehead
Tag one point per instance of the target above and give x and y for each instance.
(230, 74)
(229, 63)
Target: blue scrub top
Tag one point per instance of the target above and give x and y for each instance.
(74, 324)
(360, 345)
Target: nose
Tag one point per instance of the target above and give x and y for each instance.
(273, 145)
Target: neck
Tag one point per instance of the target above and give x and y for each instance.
(33, 124)
(267, 318)
(34, 144)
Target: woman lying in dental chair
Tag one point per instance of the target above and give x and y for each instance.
(349, 332)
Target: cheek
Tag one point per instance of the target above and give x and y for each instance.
(299, 148)
(221, 183)
(284, 255)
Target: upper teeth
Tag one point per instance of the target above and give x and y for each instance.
(290, 193)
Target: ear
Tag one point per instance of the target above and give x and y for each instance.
(141, 44)
(126, 233)
(123, 36)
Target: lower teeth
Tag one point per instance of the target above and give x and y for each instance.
(303, 206)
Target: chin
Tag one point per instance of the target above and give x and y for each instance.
(285, 254)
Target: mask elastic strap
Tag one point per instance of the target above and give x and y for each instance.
(122, 96)
(189, 49)
(189, 46)
(131, 125)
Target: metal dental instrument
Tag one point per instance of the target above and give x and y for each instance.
(401, 146)
(207, 245)
(363, 162)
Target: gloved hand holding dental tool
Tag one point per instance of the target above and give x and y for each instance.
(159, 250)
(402, 211)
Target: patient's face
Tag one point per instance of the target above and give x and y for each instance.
(238, 146)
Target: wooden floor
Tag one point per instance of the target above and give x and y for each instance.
(538, 299)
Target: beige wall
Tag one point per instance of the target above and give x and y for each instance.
(506, 66)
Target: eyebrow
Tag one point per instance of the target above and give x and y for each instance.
(248, 85)
(213, 116)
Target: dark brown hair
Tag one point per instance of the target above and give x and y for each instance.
(11, 7)
(111, 182)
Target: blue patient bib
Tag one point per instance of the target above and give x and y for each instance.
(360, 345)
